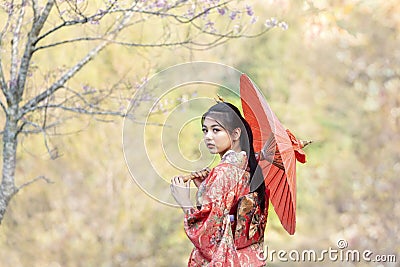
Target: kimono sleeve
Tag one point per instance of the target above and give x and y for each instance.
(209, 228)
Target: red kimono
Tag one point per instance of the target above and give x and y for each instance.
(219, 233)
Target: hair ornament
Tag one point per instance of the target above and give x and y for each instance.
(220, 99)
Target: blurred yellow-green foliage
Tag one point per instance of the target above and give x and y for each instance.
(333, 77)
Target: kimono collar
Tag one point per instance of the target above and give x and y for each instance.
(238, 159)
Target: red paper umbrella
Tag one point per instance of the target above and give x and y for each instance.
(277, 150)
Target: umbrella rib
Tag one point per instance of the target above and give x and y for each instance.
(268, 175)
(285, 195)
(281, 184)
(291, 219)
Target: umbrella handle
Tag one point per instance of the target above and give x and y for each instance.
(304, 143)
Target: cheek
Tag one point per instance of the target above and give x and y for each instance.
(223, 139)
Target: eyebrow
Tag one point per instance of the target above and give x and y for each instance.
(214, 125)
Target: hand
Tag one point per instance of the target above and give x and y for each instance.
(181, 192)
(200, 176)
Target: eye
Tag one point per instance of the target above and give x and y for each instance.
(204, 130)
(216, 130)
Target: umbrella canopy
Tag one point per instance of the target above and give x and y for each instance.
(277, 150)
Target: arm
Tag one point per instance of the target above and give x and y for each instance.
(181, 192)
(209, 228)
(200, 176)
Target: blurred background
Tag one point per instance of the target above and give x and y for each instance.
(333, 76)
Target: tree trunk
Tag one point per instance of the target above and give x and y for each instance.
(8, 188)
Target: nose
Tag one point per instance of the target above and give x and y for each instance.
(208, 135)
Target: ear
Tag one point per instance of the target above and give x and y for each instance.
(236, 134)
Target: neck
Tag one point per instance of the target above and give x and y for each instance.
(235, 147)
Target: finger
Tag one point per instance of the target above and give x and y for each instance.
(175, 180)
(204, 172)
(179, 179)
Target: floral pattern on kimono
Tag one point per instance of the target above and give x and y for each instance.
(209, 227)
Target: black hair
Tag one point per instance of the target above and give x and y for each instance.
(232, 115)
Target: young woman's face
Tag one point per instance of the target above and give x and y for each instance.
(216, 138)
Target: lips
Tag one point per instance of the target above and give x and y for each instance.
(210, 145)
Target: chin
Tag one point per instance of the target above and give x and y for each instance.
(213, 151)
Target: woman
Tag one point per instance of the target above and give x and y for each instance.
(227, 225)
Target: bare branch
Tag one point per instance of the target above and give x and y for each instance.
(96, 111)
(59, 13)
(230, 34)
(74, 98)
(104, 94)
(84, 20)
(205, 11)
(14, 53)
(160, 13)
(35, 10)
(45, 115)
(87, 39)
(42, 130)
(3, 107)
(50, 126)
(3, 83)
(62, 25)
(30, 105)
(33, 34)
(36, 131)
(38, 25)
(131, 44)
(222, 38)
(163, 12)
(7, 24)
(33, 181)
